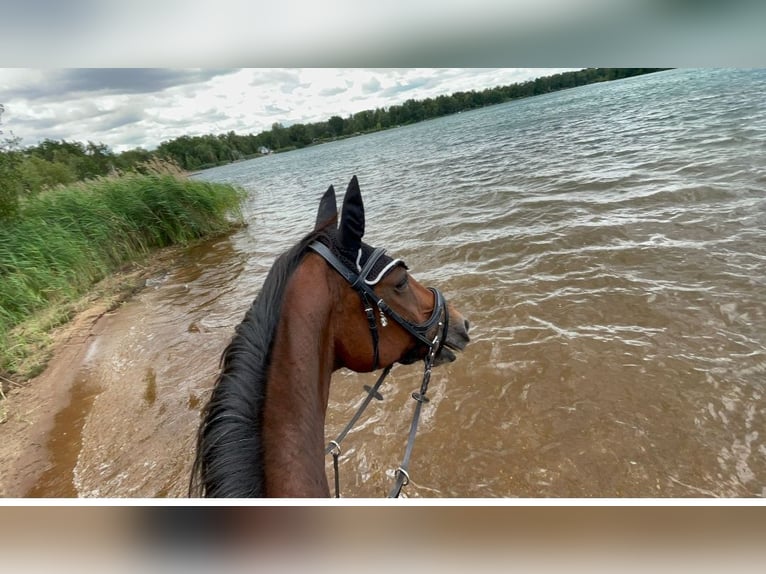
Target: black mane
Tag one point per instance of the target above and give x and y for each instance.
(229, 460)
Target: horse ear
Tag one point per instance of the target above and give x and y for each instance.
(328, 210)
(352, 221)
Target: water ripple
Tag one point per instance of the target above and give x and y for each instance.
(608, 245)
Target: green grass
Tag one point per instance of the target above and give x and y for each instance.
(65, 240)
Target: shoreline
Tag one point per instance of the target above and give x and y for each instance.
(43, 330)
(30, 407)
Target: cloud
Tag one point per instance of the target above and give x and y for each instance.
(135, 80)
(63, 84)
(371, 86)
(268, 77)
(332, 91)
(414, 84)
(118, 119)
(287, 80)
(86, 120)
(123, 108)
(98, 104)
(273, 110)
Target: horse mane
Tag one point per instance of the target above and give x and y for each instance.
(229, 459)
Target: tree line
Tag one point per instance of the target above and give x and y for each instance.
(200, 152)
(29, 170)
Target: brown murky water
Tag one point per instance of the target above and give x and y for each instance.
(607, 244)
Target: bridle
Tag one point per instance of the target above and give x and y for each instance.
(370, 300)
(423, 333)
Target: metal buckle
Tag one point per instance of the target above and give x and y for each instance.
(335, 451)
(406, 476)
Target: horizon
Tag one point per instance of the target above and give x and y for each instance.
(130, 108)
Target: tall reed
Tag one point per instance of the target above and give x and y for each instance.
(65, 240)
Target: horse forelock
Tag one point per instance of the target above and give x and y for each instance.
(229, 459)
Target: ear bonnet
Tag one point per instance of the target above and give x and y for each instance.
(345, 241)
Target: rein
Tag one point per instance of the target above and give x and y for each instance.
(419, 332)
(402, 477)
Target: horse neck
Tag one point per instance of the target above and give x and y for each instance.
(298, 389)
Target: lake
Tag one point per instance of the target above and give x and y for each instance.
(607, 244)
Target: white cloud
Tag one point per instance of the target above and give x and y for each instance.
(124, 108)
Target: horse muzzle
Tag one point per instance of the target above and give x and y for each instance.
(456, 339)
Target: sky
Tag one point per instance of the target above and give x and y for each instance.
(137, 73)
(126, 108)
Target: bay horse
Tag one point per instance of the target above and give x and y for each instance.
(262, 431)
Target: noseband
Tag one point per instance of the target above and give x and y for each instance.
(370, 300)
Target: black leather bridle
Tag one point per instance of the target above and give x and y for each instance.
(423, 332)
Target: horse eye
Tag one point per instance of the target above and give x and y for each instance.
(402, 284)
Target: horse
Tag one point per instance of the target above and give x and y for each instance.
(262, 429)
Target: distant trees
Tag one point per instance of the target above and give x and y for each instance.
(200, 152)
(49, 163)
(82, 161)
(335, 125)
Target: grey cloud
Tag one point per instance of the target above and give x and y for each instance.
(413, 84)
(84, 120)
(287, 81)
(119, 119)
(332, 91)
(189, 123)
(62, 84)
(273, 110)
(371, 86)
(209, 115)
(35, 123)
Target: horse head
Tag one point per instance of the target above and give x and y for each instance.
(398, 318)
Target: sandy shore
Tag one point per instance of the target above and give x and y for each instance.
(30, 408)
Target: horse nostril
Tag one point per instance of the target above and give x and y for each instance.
(466, 324)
